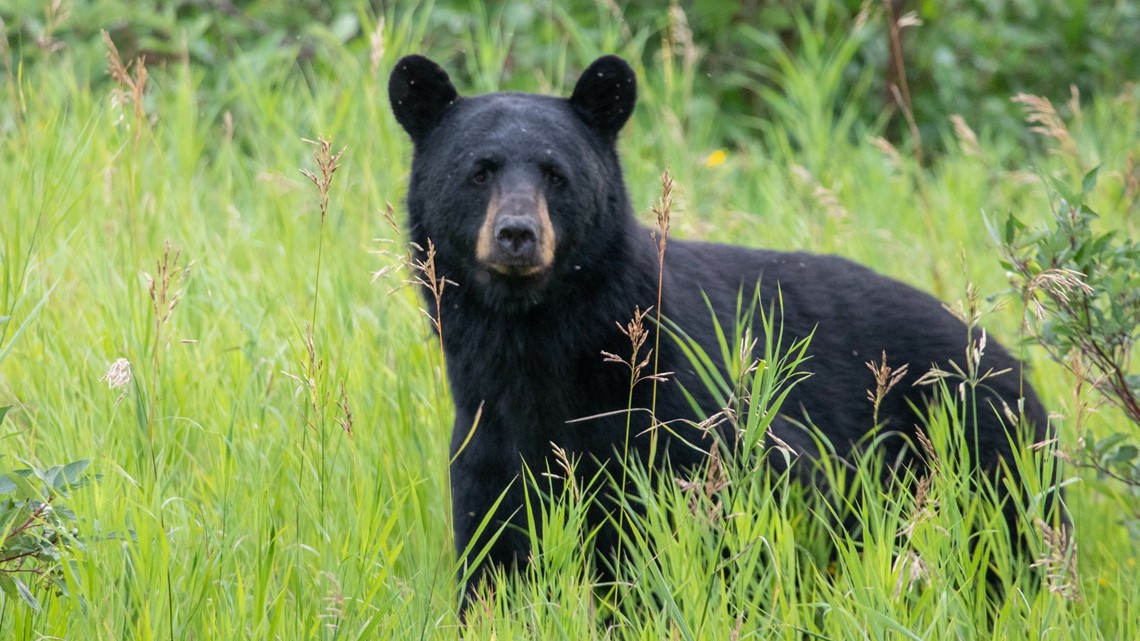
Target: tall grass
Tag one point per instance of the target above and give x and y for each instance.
(261, 480)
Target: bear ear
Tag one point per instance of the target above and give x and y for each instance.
(420, 92)
(605, 94)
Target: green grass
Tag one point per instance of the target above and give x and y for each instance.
(237, 501)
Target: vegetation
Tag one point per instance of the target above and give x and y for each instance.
(1081, 303)
(234, 347)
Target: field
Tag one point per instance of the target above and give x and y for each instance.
(274, 463)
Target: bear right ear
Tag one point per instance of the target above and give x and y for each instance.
(420, 92)
(605, 94)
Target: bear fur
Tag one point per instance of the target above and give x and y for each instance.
(523, 199)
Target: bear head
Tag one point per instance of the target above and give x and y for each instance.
(521, 194)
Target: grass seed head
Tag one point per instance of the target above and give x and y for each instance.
(967, 139)
(911, 570)
(334, 603)
(886, 378)
(164, 286)
(118, 376)
(129, 88)
(327, 164)
(376, 45)
(663, 211)
(824, 197)
(889, 150)
(1060, 561)
(635, 331)
(680, 36)
(565, 466)
(703, 492)
(345, 421)
(1040, 113)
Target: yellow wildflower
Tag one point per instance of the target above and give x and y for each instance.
(716, 158)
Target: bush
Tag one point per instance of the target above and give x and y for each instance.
(36, 526)
(1081, 303)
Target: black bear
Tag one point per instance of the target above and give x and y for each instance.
(523, 199)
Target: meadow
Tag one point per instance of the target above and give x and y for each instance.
(270, 460)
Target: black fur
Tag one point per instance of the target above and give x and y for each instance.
(529, 351)
(420, 92)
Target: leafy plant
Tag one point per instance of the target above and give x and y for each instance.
(1078, 286)
(750, 387)
(36, 526)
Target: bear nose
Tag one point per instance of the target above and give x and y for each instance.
(517, 236)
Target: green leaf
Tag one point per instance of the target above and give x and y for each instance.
(1126, 454)
(24, 544)
(64, 512)
(1112, 440)
(4, 412)
(1012, 227)
(75, 469)
(26, 594)
(1061, 188)
(8, 512)
(1133, 381)
(140, 409)
(1089, 181)
(7, 585)
(50, 476)
(20, 485)
(60, 585)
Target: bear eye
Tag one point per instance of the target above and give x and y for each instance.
(554, 178)
(482, 176)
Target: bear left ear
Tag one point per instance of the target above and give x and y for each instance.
(420, 92)
(605, 94)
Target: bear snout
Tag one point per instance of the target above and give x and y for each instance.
(517, 237)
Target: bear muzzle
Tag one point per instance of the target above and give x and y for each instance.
(516, 238)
